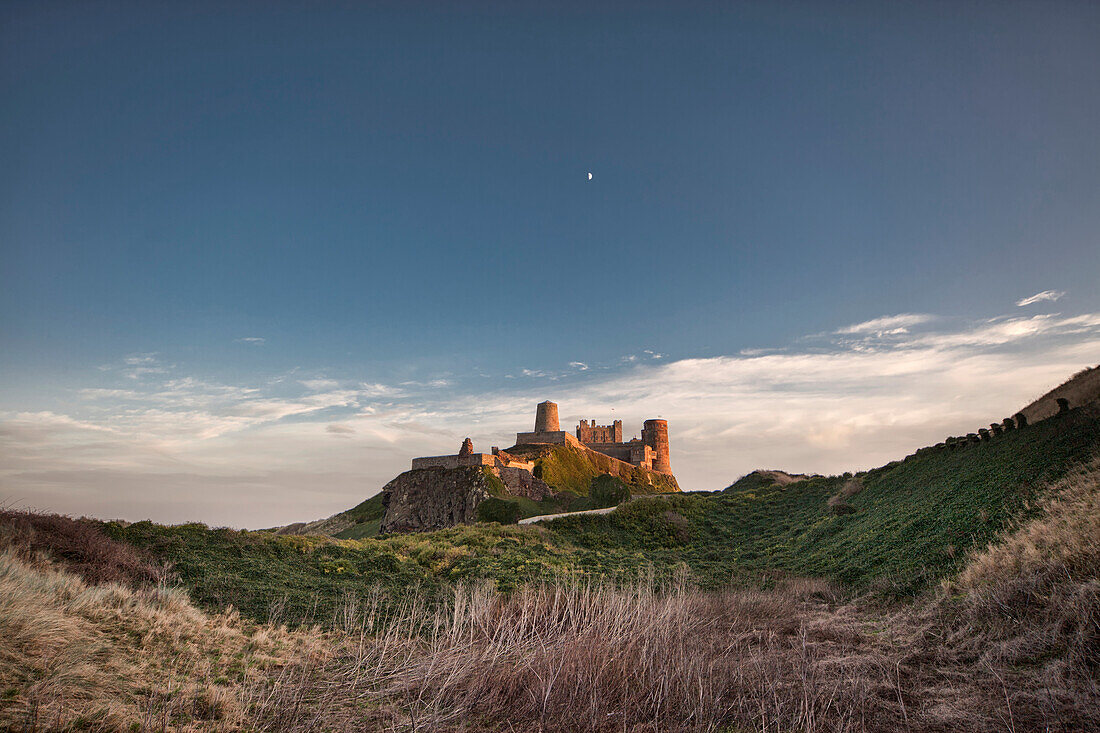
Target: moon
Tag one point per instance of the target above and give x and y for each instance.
(590, 176)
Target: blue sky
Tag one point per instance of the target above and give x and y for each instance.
(279, 251)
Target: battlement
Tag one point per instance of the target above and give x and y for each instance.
(590, 432)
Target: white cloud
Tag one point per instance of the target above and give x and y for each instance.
(887, 325)
(269, 453)
(579, 365)
(653, 354)
(1051, 295)
(317, 385)
(252, 340)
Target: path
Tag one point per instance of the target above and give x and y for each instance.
(547, 517)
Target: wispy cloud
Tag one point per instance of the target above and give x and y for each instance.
(136, 366)
(252, 340)
(653, 354)
(318, 385)
(887, 325)
(579, 365)
(1051, 295)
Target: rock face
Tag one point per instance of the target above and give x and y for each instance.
(433, 498)
(520, 482)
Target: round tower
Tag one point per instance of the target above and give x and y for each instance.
(655, 435)
(546, 417)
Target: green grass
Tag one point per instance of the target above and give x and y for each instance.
(912, 524)
(569, 468)
(362, 530)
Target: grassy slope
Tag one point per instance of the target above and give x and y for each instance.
(912, 523)
(569, 468)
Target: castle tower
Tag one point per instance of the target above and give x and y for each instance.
(546, 417)
(655, 435)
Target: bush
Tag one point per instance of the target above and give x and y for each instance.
(606, 490)
(498, 510)
(80, 546)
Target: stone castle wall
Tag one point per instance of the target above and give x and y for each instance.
(456, 461)
(590, 432)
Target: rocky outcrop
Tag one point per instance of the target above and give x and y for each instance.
(521, 482)
(433, 498)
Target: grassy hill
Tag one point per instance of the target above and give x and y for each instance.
(362, 520)
(911, 523)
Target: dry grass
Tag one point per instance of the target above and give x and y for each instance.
(603, 658)
(1081, 389)
(108, 657)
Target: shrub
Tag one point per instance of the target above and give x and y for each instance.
(839, 503)
(80, 546)
(606, 490)
(498, 510)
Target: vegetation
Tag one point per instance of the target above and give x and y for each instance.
(498, 510)
(606, 490)
(569, 468)
(89, 642)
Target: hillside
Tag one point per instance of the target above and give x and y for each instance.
(765, 477)
(912, 523)
(362, 520)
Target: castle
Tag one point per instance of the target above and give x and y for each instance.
(650, 452)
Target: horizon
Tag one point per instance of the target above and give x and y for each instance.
(254, 262)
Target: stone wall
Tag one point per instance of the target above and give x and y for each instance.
(456, 461)
(558, 437)
(590, 432)
(521, 482)
(635, 452)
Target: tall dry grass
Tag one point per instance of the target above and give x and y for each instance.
(606, 658)
(74, 655)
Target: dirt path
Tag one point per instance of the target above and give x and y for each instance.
(546, 517)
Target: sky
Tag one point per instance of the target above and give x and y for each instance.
(255, 258)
